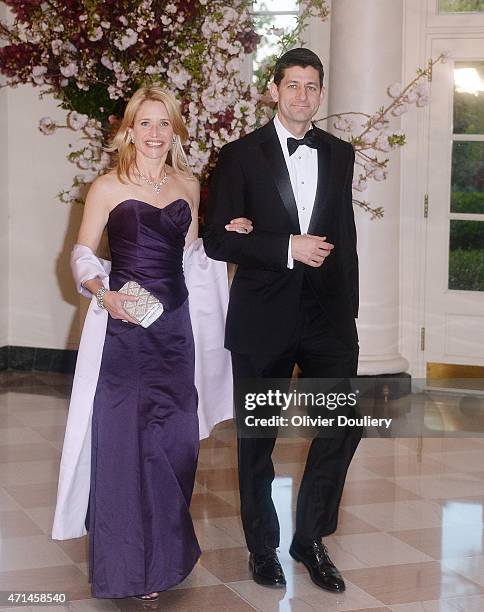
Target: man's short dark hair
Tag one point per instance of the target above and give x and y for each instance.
(298, 57)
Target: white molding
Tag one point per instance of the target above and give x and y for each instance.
(413, 188)
(466, 216)
(468, 137)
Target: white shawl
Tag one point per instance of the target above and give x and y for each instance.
(206, 281)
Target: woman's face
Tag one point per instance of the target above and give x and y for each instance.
(152, 130)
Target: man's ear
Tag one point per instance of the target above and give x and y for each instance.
(274, 91)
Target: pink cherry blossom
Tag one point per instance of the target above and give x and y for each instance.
(400, 109)
(77, 121)
(47, 125)
(395, 90)
(69, 71)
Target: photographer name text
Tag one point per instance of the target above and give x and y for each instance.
(318, 421)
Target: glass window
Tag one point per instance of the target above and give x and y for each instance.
(469, 98)
(467, 190)
(466, 240)
(272, 18)
(461, 6)
(466, 255)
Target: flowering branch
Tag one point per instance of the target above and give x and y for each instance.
(374, 136)
(287, 40)
(93, 55)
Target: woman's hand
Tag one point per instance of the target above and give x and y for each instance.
(113, 302)
(241, 225)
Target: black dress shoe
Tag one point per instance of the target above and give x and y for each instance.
(266, 569)
(322, 570)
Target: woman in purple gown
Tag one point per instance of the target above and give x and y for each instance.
(144, 423)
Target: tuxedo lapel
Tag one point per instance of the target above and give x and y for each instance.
(271, 147)
(325, 155)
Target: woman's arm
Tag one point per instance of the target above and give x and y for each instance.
(96, 213)
(94, 220)
(194, 189)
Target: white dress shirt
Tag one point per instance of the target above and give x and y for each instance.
(302, 166)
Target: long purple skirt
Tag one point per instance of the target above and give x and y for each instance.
(144, 455)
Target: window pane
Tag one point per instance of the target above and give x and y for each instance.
(269, 41)
(466, 255)
(469, 98)
(460, 6)
(467, 177)
(276, 5)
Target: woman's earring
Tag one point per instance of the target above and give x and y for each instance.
(173, 142)
(132, 140)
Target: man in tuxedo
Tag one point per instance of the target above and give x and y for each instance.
(293, 300)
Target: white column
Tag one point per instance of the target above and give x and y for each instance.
(366, 57)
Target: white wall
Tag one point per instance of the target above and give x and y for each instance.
(43, 305)
(3, 211)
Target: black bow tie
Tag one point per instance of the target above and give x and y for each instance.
(310, 139)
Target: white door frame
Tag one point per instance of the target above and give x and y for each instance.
(422, 26)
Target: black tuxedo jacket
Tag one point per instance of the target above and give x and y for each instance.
(251, 180)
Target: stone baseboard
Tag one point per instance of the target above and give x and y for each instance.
(32, 359)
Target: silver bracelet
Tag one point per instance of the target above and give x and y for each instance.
(100, 297)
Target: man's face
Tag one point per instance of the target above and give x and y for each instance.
(298, 95)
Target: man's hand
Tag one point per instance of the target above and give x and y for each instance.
(310, 250)
(241, 225)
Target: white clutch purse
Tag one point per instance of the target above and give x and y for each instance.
(146, 309)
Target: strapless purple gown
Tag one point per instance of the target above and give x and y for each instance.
(145, 427)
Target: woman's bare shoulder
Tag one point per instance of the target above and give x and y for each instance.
(106, 189)
(189, 185)
(106, 182)
(103, 184)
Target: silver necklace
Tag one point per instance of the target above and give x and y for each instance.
(157, 185)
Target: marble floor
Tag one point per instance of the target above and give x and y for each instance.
(410, 536)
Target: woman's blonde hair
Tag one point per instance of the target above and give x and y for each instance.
(125, 149)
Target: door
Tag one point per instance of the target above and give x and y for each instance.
(454, 293)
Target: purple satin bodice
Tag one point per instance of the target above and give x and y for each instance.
(146, 246)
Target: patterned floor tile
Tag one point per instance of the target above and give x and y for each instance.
(378, 490)
(65, 578)
(409, 538)
(446, 542)
(303, 596)
(412, 582)
(16, 524)
(220, 479)
(217, 597)
(208, 505)
(28, 452)
(376, 549)
(470, 567)
(33, 495)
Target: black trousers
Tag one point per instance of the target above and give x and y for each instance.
(319, 353)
